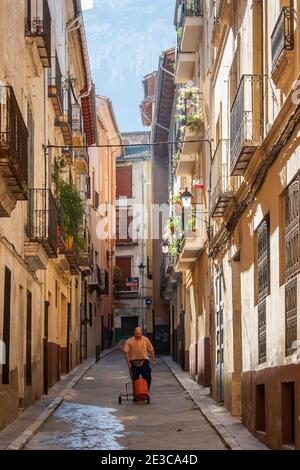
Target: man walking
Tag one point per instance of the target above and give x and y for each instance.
(136, 351)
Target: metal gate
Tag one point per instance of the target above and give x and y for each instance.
(219, 337)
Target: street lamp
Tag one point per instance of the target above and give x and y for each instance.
(142, 269)
(186, 199)
(165, 247)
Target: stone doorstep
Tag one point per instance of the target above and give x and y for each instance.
(230, 430)
(29, 433)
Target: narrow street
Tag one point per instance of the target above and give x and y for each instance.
(90, 417)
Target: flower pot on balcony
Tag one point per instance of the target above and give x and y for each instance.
(69, 242)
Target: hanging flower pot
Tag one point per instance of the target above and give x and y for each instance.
(198, 183)
(69, 241)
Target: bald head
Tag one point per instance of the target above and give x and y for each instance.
(138, 333)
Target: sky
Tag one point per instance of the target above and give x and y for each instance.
(125, 39)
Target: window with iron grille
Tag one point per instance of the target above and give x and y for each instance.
(292, 267)
(263, 275)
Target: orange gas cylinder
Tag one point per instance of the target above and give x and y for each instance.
(140, 388)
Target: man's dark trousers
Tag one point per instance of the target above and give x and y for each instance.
(144, 371)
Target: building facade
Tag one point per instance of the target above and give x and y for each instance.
(133, 272)
(46, 100)
(101, 212)
(240, 292)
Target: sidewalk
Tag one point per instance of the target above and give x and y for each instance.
(22, 429)
(230, 429)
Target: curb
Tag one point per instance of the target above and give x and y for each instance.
(226, 437)
(34, 428)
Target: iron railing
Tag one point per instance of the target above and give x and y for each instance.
(170, 262)
(38, 25)
(192, 115)
(55, 82)
(76, 118)
(221, 180)
(13, 141)
(94, 280)
(43, 219)
(283, 36)
(187, 8)
(246, 117)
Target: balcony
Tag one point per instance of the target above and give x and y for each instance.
(77, 126)
(94, 280)
(246, 123)
(42, 228)
(223, 189)
(189, 24)
(185, 165)
(282, 45)
(170, 262)
(55, 90)
(85, 256)
(13, 152)
(221, 17)
(192, 130)
(66, 244)
(81, 162)
(193, 239)
(38, 32)
(185, 67)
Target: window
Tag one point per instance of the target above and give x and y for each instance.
(124, 263)
(263, 284)
(6, 325)
(124, 181)
(123, 226)
(292, 267)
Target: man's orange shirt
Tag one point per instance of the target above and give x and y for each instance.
(138, 348)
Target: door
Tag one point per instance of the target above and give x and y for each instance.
(45, 345)
(181, 340)
(219, 337)
(128, 325)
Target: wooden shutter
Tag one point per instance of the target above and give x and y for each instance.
(29, 339)
(124, 263)
(124, 181)
(6, 325)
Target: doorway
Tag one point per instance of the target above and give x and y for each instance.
(219, 337)
(128, 325)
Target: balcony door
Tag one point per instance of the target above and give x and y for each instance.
(219, 337)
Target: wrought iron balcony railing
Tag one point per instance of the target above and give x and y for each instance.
(13, 144)
(55, 89)
(38, 25)
(76, 118)
(42, 226)
(94, 280)
(187, 8)
(283, 36)
(246, 122)
(222, 182)
(169, 263)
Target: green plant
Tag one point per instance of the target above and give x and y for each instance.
(195, 121)
(117, 278)
(179, 34)
(72, 204)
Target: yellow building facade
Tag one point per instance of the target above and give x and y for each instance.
(45, 108)
(243, 58)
